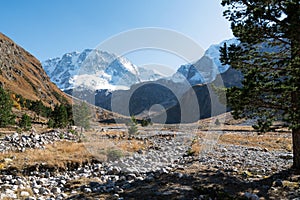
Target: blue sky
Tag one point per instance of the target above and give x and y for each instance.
(50, 28)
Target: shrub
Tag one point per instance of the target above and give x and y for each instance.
(113, 154)
(146, 122)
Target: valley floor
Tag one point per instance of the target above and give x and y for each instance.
(195, 161)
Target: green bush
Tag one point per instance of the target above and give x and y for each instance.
(113, 154)
(146, 122)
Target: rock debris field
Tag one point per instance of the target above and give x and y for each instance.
(163, 171)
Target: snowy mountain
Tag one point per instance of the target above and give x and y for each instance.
(95, 69)
(206, 68)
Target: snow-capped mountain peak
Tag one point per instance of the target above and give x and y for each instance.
(95, 69)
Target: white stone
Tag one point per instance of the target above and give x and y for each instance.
(24, 194)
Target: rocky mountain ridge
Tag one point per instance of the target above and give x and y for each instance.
(96, 69)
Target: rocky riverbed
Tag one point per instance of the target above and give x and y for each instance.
(163, 171)
(21, 142)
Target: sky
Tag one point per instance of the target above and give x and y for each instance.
(50, 28)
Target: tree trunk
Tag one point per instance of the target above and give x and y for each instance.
(296, 148)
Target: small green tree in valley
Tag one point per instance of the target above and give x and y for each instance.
(132, 126)
(6, 116)
(25, 122)
(269, 58)
(82, 115)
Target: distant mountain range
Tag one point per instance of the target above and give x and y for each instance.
(114, 83)
(95, 69)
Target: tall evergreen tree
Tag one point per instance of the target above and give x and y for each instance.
(60, 116)
(6, 116)
(269, 57)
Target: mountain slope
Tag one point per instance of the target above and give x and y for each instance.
(201, 101)
(21, 73)
(94, 70)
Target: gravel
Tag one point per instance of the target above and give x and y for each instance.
(167, 155)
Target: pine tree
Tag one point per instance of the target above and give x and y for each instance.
(269, 57)
(6, 116)
(132, 126)
(25, 122)
(82, 115)
(60, 116)
(50, 123)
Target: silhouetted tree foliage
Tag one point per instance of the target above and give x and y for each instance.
(269, 57)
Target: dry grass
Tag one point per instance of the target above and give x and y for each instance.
(132, 145)
(213, 127)
(57, 155)
(119, 142)
(61, 155)
(196, 148)
(236, 128)
(271, 141)
(95, 145)
(74, 184)
(21, 190)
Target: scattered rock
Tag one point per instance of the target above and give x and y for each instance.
(24, 194)
(278, 183)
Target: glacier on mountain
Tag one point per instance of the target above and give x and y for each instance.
(95, 69)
